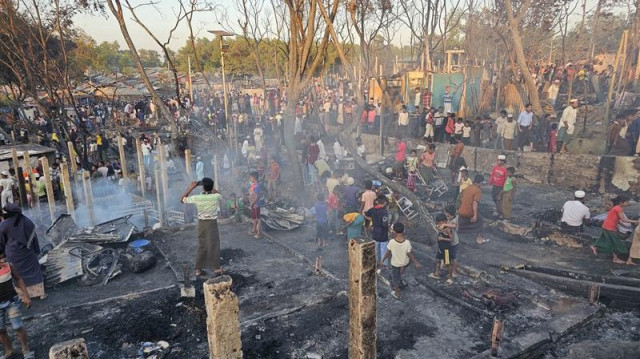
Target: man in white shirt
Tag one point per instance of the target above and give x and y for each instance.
(403, 121)
(500, 121)
(199, 169)
(6, 186)
(575, 214)
(525, 124)
(567, 123)
(322, 154)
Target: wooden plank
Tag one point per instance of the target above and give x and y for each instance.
(50, 195)
(68, 189)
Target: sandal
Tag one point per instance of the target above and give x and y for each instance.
(449, 281)
(433, 276)
(29, 355)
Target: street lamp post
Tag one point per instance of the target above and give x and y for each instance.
(221, 34)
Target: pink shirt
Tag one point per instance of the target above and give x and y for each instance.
(401, 149)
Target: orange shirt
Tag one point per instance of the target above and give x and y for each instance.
(613, 218)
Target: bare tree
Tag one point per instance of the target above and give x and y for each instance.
(515, 20)
(116, 9)
(307, 43)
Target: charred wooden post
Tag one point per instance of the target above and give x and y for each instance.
(32, 181)
(88, 196)
(68, 189)
(223, 326)
(141, 170)
(187, 164)
(72, 160)
(159, 194)
(164, 179)
(50, 196)
(123, 157)
(71, 349)
(496, 336)
(362, 300)
(19, 184)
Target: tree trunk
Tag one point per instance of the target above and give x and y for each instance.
(514, 24)
(160, 105)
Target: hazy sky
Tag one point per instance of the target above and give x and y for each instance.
(159, 21)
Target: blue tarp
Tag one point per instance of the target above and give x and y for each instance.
(455, 81)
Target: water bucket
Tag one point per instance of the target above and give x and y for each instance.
(139, 245)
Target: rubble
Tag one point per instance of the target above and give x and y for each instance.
(281, 219)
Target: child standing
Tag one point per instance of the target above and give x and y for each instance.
(412, 168)
(509, 192)
(466, 133)
(379, 217)
(10, 308)
(447, 243)
(322, 225)
(333, 203)
(254, 202)
(553, 138)
(355, 222)
(399, 249)
(458, 129)
(463, 182)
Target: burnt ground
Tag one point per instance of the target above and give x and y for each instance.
(286, 311)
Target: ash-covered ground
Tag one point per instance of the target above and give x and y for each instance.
(287, 311)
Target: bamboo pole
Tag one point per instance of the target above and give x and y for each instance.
(141, 172)
(47, 178)
(16, 168)
(187, 163)
(88, 196)
(72, 160)
(32, 180)
(68, 189)
(613, 76)
(123, 158)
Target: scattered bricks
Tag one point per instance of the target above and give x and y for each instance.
(71, 349)
(223, 327)
(362, 299)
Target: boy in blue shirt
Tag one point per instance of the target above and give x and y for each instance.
(322, 221)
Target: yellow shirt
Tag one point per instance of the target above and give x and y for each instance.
(465, 183)
(99, 140)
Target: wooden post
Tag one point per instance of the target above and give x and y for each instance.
(13, 137)
(46, 171)
(362, 299)
(496, 336)
(16, 168)
(88, 196)
(68, 189)
(123, 158)
(72, 160)
(156, 176)
(187, 164)
(612, 82)
(215, 171)
(163, 173)
(141, 172)
(32, 181)
(223, 326)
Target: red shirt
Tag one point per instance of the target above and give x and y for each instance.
(613, 218)
(450, 125)
(275, 171)
(313, 153)
(498, 175)
(401, 149)
(333, 201)
(430, 118)
(553, 141)
(426, 99)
